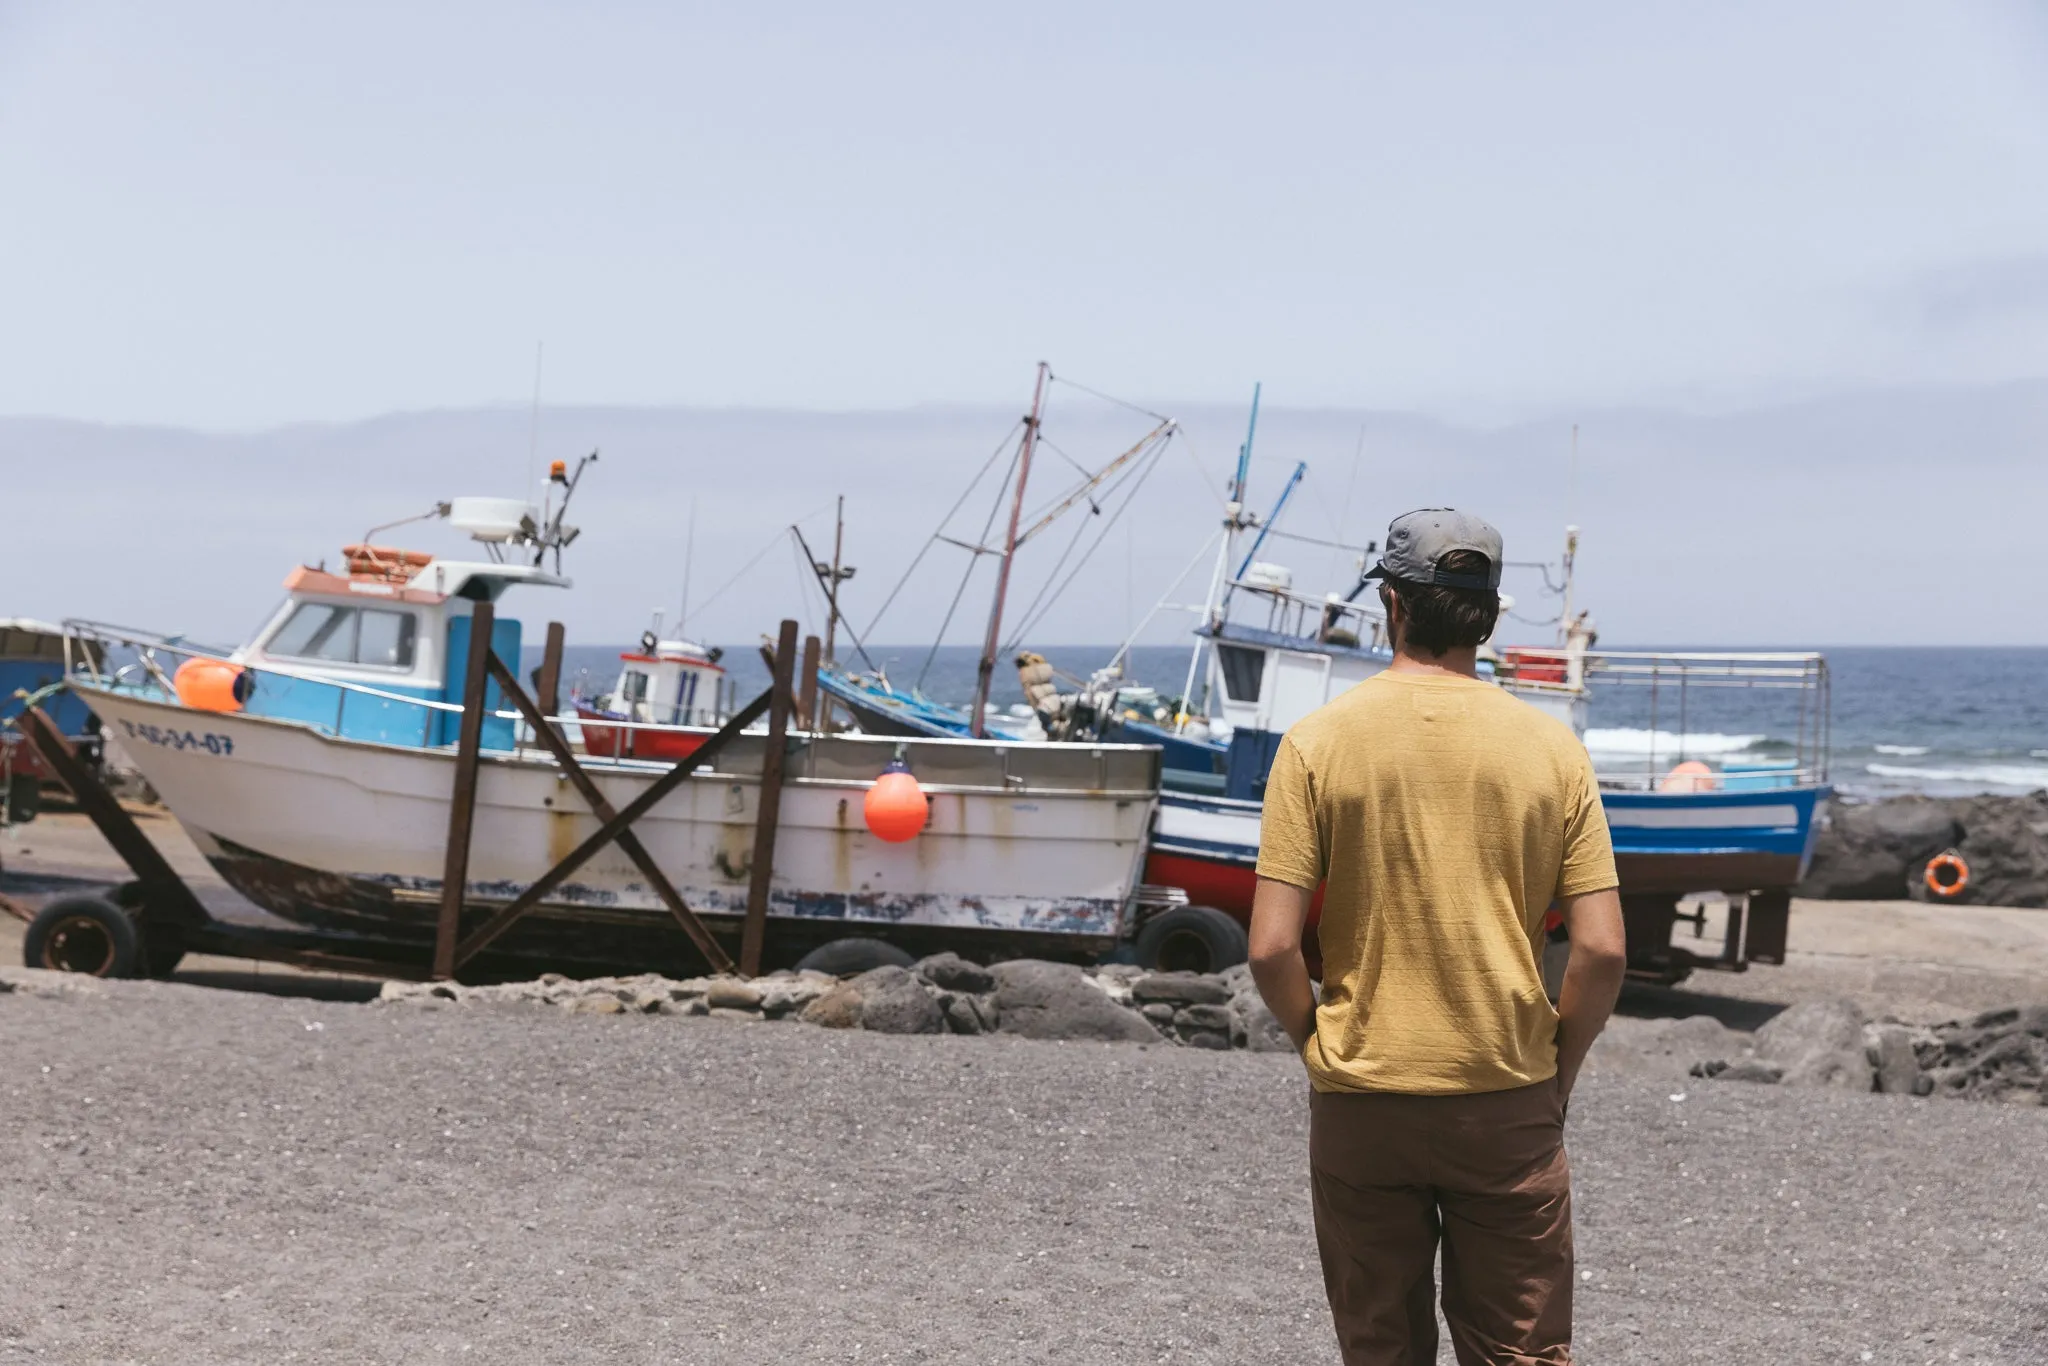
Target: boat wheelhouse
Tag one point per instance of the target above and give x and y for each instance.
(675, 686)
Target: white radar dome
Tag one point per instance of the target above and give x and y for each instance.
(491, 519)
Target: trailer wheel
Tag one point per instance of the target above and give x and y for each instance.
(83, 934)
(163, 942)
(852, 956)
(1192, 939)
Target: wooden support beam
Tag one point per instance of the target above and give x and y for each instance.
(769, 813)
(164, 891)
(609, 831)
(547, 690)
(462, 802)
(544, 731)
(807, 687)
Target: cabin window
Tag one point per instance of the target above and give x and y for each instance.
(633, 687)
(384, 639)
(346, 635)
(1243, 667)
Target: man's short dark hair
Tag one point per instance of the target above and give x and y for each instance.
(1440, 619)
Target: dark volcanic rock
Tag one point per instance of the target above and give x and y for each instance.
(1055, 1001)
(1181, 989)
(894, 1001)
(1880, 850)
(951, 972)
(1213, 1019)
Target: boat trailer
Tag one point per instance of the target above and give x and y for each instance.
(147, 926)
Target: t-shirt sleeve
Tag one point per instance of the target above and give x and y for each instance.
(1588, 864)
(1291, 846)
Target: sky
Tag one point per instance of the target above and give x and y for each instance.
(270, 274)
(235, 216)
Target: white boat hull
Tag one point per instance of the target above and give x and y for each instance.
(351, 835)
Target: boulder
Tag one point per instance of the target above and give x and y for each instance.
(730, 993)
(1749, 1069)
(1898, 1070)
(1210, 1039)
(839, 1008)
(1818, 1043)
(1181, 989)
(959, 1012)
(1254, 1028)
(1203, 1018)
(1042, 1000)
(782, 996)
(895, 1001)
(951, 972)
(1158, 1012)
(606, 1004)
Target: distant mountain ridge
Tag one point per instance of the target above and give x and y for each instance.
(1884, 516)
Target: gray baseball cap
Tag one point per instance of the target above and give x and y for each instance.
(1417, 541)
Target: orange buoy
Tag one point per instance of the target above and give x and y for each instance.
(213, 685)
(896, 807)
(1690, 776)
(1946, 875)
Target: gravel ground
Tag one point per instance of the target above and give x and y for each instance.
(191, 1175)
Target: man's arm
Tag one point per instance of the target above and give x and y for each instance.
(1592, 977)
(1279, 914)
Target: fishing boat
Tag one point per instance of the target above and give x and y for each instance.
(315, 769)
(676, 685)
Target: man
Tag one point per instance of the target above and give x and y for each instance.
(1442, 817)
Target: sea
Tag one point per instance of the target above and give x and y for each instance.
(1945, 722)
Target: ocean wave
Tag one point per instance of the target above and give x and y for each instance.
(1915, 751)
(2027, 776)
(1625, 740)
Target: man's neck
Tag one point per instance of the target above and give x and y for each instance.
(1459, 663)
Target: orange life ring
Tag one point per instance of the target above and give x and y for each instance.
(1946, 876)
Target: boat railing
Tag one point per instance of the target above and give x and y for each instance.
(943, 765)
(1665, 693)
(1292, 613)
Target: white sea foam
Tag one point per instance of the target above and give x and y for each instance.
(1667, 743)
(2028, 776)
(1915, 751)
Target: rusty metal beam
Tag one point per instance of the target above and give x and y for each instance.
(547, 690)
(629, 843)
(768, 816)
(166, 892)
(609, 831)
(462, 802)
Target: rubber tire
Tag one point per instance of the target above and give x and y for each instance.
(163, 943)
(852, 956)
(1192, 939)
(123, 939)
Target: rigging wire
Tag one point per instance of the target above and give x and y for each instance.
(1106, 398)
(988, 525)
(876, 619)
(762, 555)
(1131, 482)
(1159, 606)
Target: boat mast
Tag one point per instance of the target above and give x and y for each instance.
(1233, 522)
(986, 673)
(832, 587)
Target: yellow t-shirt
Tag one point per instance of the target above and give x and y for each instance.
(1444, 815)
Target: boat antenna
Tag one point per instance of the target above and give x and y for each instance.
(985, 673)
(689, 558)
(1233, 522)
(553, 535)
(533, 422)
(830, 576)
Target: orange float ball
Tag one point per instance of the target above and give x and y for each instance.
(1690, 776)
(896, 807)
(212, 685)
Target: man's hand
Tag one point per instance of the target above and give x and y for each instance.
(1592, 978)
(1279, 913)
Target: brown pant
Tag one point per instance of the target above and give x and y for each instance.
(1484, 1173)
